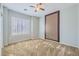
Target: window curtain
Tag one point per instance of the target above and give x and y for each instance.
(19, 27)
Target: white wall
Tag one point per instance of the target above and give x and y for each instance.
(16, 38)
(1, 30)
(5, 25)
(78, 25)
(69, 26)
(8, 38)
(34, 27)
(42, 27)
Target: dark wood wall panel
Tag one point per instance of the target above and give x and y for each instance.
(52, 26)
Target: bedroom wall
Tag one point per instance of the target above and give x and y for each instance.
(78, 25)
(17, 38)
(8, 38)
(5, 26)
(1, 29)
(69, 26)
(42, 27)
(34, 27)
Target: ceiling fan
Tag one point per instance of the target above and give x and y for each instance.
(38, 7)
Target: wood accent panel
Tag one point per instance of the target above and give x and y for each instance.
(52, 26)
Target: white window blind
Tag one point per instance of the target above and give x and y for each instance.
(20, 26)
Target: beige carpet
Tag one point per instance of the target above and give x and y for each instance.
(39, 48)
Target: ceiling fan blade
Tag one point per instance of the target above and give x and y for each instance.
(42, 9)
(40, 3)
(32, 6)
(35, 10)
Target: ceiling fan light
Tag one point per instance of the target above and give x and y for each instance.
(38, 7)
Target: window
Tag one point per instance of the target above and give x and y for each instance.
(20, 26)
